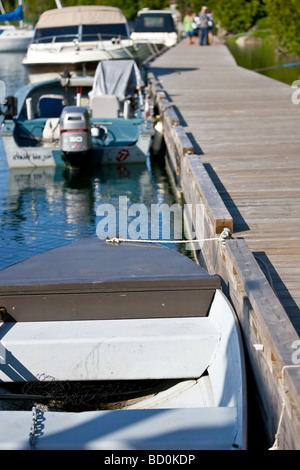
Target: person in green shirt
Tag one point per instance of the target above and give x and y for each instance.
(188, 27)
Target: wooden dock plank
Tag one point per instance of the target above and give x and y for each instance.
(245, 130)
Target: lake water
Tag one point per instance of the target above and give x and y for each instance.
(262, 56)
(41, 209)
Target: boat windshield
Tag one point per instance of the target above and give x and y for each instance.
(154, 23)
(82, 32)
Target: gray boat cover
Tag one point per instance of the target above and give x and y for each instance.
(117, 77)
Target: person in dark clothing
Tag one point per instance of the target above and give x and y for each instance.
(203, 27)
(210, 24)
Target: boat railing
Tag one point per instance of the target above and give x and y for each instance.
(91, 37)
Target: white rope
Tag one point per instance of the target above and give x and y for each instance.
(275, 445)
(225, 235)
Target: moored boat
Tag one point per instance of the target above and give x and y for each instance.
(12, 38)
(79, 121)
(75, 39)
(153, 30)
(118, 346)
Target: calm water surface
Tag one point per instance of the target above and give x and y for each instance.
(262, 55)
(41, 209)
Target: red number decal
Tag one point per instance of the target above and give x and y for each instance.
(122, 155)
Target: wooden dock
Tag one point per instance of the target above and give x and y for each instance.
(233, 144)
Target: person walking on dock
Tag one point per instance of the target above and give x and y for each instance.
(210, 24)
(195, 24)
(203, 27)
(188, 27)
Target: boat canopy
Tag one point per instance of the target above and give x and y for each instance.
(16, 15)
(120, 78)
(84, 15)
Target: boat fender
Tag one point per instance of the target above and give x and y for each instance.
(158, 136)
(99, 131)
(29, 109)
(127, 107)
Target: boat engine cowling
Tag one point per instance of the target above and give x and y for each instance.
(75, 134)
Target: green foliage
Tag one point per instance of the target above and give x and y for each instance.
(34, 8)
(284, 18)
(194, 5)
(263, 23)
(237, 15)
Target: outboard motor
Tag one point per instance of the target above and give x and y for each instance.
(75, 135)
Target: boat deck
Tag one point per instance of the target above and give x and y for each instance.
(246, 130)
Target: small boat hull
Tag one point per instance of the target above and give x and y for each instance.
(138, 356)
(47, 156)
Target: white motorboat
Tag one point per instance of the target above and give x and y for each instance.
(12, 38)
(118, 346)
(75, 39)
(153, 31)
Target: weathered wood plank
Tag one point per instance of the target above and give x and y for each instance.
(244, 128)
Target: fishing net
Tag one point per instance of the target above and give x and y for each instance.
(77, 396)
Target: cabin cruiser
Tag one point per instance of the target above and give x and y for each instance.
(74, 40)
(156, 26)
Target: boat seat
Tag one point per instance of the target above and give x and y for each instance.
(105, 106)
(51, 106)
(108, 349)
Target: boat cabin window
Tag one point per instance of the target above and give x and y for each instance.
(106, 31)
(59, 34)
(153, 23)
(82, 32)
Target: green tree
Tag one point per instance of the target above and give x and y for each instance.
(34, 8)
(284, 18)
(237, 15)
(129, 7)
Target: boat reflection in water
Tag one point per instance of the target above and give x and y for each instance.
(42, 208)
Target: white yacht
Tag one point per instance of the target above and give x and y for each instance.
(73, 40)
(12, 38)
